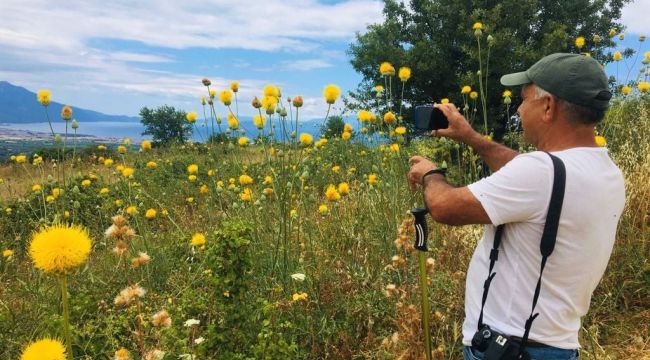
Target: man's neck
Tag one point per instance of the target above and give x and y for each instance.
(567, 136)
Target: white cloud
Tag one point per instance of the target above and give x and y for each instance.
(634, 17)
(304, 65)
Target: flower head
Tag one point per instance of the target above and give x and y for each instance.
(389, 117)
(372, 179)
(60, 248)
(580, 42)
(617, 56)
(299, 297)
(242, 141)
(66, 113)
(466, 89)
(161, 319)
(297, 101)
(192, 169)
(234, 86)
(259, 121)
(145, 145)
(600, 141)
(331, 193)
(271, 90)
(507, 93)
(45, 349)
(233, 123)
(643, 86)
(226, 97)
(626, 90)
(400, 130)
(404, 73)
(331, 92)
(386, 69)
(122, 354)
(150, 214)
(198, 239)
(473, 95)
(245, 180)
(344, 189)
(7, 253)
(477, 26)
(306, 139)
(346, 135)
(44, 97)
(191, 117)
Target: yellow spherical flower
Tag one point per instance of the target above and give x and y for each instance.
(198, 239)
(477, 26)
(404, 73)
(612, 32)
(346, 135)
(444, 101)
(259, 121)
(191, 178)
(331, 193)
(191, 117)
(233, 123)
(644, 86)
(336, 169)
(192, 169)
(246, 195)
(600, 141)
(466, 89)
(372, 179)
(44, 97)
(20, 159)
(7, 253)
(379, 88)
(66, 113)
(344, 188)
(245, 180)
(389, 117)
(226, 97)
(580, 42)
(268, 180)
(617, 56)
(101, 147)
(386, 69)
(50, 198)
(268, 191)
(364, 116)
(121, 149)
(59, 248)
(204, 189)
(234, 86)
(44, 349)
(507, 93)
(126, 141)
(145, 145)
(119, 168)
(132, 210)
(242, 141)
(473, 95)
(152, 165)
(331, 92)
(306, 139)
(108, 162)
(400, 130)
(122, 354)
(36, 187)
(626, 90)
(299, 297)
(128, 172)
(323, 209)
(85, 183)
(271, 90)
(104, 191)
(150, 214)
(394, 148)
(56, 192)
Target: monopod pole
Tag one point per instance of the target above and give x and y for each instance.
(421, 234)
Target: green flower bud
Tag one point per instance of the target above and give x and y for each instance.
(75, 124)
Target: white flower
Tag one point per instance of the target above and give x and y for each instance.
(154, 355)
(192, 322)
(298, 277)
(199, 340)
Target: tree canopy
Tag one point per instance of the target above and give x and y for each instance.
(165, 124)
(436, 40)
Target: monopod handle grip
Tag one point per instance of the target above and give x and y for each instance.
(421, 228)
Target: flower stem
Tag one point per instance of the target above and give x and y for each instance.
(66, 315)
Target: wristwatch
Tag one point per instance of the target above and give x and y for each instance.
(434, 171)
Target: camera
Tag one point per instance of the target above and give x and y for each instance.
(429, 118)
(496, 346)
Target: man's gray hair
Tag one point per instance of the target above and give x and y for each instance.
(576, 113)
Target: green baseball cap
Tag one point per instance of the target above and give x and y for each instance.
(575, 78)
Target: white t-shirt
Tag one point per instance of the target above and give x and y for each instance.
(518, 195)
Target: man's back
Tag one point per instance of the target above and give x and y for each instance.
(518, 195)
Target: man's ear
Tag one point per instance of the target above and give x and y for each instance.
(550, 108)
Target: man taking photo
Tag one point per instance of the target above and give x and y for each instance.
(564, 96)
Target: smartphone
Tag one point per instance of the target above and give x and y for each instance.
(429, 118)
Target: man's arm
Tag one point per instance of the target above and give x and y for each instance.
(495, 155)
(450, 205)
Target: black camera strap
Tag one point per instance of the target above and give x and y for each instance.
(547, 244)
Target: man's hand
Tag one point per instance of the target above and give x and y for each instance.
(419, 166)
(459, 129)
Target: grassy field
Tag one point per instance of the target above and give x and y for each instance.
(252, 257)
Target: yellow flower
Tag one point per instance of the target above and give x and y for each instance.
(21, 159)
(226, 97)
(121, 149)
(267, 191)
(331, 92)
(580, 42)
(191, 178)
(101, 147)
(132, 210)
(344, 188)
(372, 179)
(126, 141)
(477, 26)
(245, 180)
(59, 248)
(379, 88)
(204, 189)
(108, 162)
(233, 123)
(198, 239)
(336, 169)
(346, 135)
(44, 349)
(210, 172)
(364, 116)
(400, 130)
(191, 117)
(44, 97)
(331, 193)
(297, 101)
(299, 297)
(600, 141)
(150, 214)
(145, 145)
(192, 169)
(85, 183)
(473, 95)
(404, 73)
(152, 165)
(617, 56)
(323, 209)
(234, 86)
(644, 86)
(36, 187)
(128, 172)
(104, 191)
(242, 141)
(7, 253)
(507, 93)
(389, 117)
(386, 69)
(466, 89)
(612, 32)
(259, 121)
(306, 139)
(246, 195)
(66, 113)
(444, 101)
(122, 354)
(271, 91)
(118, 202)
(394, 148)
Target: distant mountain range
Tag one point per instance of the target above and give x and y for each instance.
(18, 106)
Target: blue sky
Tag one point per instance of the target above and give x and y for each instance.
(117, 56)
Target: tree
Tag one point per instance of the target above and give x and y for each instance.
(333, 127)
(436, 40)
(165, 124)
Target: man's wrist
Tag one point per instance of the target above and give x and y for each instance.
(437, 171)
